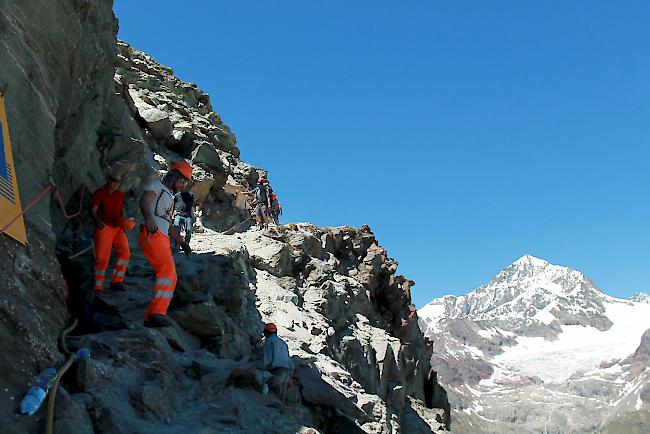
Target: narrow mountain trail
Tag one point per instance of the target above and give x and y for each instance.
(160, 380)
(199, 375)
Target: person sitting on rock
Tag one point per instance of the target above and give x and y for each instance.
(276, 359)
(107, 209)
(184, 202)
(263, 199)
(157, 207)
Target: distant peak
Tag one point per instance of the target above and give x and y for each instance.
(641, 297)
(531, 260)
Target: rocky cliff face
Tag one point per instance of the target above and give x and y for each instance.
(541, 349)
(78, 101)
(56, 83)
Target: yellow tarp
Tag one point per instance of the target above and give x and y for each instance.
(9, 197)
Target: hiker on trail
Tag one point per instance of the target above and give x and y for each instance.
(276, 209)
(184, 202)
(107, 209)
(157, 207)
(263, 202)
(276, 359)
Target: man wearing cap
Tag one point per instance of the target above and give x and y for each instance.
(107, 207)
(263, 202)
(276, 359)
(157, 207)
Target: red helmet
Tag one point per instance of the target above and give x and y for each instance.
(270, 327)
(184, 168)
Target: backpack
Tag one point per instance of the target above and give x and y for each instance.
(262, 194)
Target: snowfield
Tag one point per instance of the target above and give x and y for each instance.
(579, 349)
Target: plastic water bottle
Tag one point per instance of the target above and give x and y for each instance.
(36, 394)
(83, 353)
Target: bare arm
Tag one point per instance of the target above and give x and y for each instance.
(145, 201)
(176, 236)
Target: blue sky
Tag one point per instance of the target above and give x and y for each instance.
(465, 133)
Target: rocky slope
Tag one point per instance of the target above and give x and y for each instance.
(78, 101)
(541, 349)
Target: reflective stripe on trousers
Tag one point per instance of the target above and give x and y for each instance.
(105, 240)
(120, 270)
(157, 250)
(100, 275)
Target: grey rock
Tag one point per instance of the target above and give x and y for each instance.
(206, 154)
(71, 415)
(99, 102)
(55, 82)
(271, 256)
(201, 319)
(156, 120)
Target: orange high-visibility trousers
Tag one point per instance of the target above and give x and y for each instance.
(105, 240)
(157, 250)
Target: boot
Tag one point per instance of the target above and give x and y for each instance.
(157, 321)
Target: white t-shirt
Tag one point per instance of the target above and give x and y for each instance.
(162, 206)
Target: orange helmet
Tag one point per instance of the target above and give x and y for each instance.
(127, 224)
(270, 327)
(184, 168)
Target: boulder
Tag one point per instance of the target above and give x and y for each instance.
(183, 142)
(202, 183)
(201, 319)
(205, 154)
(315, 390)
(70, 415)
(156, 120)
(271, 256)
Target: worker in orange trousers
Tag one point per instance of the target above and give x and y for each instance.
(157, 207)
(107, 209)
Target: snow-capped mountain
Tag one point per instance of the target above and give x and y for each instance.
(641, 297)
(529, 290)
(541, 348)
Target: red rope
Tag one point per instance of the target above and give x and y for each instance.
(81, 202)
(39, 197)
